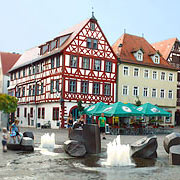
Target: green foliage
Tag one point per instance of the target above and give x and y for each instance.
(80, 107)
(138, 102)
(8, 104)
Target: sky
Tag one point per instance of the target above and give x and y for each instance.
(29, 23)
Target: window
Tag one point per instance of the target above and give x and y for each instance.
(18, 93)
(33, 68)
(139, 56)
(135, 91)
(42, 67)
(95, 43)
(146, 73)
(8, 83)
(136, 72)
(19, 74)
(44, 49)
(145, 92)
(96, 88)
(154, 92)
(29, 90)
(125, 71)
(52, 62)
(125, 90)
(15, 75)
(39, 112)
(37, 89)
(97, 65)
(154, 75)
(57, 61)
(73, 61)
(11, 76)
(43, 113)
(33, 93)
(170, 94)
(162, 93)
(24, 73)
(156, 59)
(163, 75)
(107, 89)
(85, 63)
(25, 112)
(31, 112)
(92, 26)
(23, 91)
(57, 85)
(72, 86)
(108, 66)
(55, 113)
(18, 112)
(42, 88)
(88, 42)
(92, 43)
(53, 44)
(52, 86)
(37, 68)
(170, 77)
(84, 87)
(29, 70)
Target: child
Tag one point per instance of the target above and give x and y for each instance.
(4, 139)
(14, 131)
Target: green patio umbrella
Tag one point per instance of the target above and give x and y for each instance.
(94, 109)
(132, 105)
(120, 109)
(149, 109)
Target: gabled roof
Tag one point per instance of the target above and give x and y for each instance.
(32, 55)
(131, 43)
(8, 60)
(165, 46)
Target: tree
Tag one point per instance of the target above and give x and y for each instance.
(80, 107)
(138, 102)
(8, 104)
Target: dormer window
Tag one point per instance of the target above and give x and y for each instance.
(53, 44)
(44, 49)
(138, 55)
(92, 26)
(156, 58)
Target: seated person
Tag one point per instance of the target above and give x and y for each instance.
(79, 123)
(14, 131)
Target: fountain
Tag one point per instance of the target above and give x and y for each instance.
(118, 154)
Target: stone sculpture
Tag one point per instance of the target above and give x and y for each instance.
(174, 155)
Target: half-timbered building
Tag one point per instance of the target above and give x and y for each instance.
(170, 50)
(48, 80)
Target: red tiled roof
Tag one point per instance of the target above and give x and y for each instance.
(8, 60)
(127, 44)
(165, 46)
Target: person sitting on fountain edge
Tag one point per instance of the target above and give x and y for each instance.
(102, 124)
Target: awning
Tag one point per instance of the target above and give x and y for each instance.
(11, 87)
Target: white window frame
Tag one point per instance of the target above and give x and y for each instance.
(134, 91)
(139, 56)
(147, 92)
(146, 70)
(153, 92)
(125, 89)
(171, 94)
(156, 59)
(162, 76)
(127, 71)
(137, 73)
(156, 75)
(164, 94)
(171, 77)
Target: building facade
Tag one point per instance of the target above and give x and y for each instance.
(49, 80)
(143, 72)
(170, 50)
(7, 60)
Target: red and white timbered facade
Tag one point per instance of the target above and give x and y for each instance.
(48, 80)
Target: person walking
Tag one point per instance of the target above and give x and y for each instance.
(4, 139)
(102, 125)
